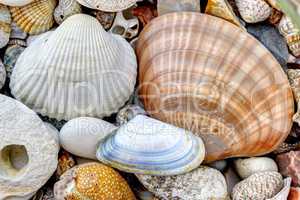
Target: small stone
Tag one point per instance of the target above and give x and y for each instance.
(168, 6)
(288, 164)
(145, 13)
(294, 193)
(270, 37)
(231, 179)
(219, 165)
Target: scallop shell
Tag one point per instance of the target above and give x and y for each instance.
(148, 146)
(11, 56)
(202, 183)
(15, 2)
(80, 136)
(29, 150)
(253, 11)
(2, 74)
(65, 9)
(97, 71)
(108, 5)
(222, 9)
(222, 84)
(263, 185)
(36, 17)
(92, 181)
(248, 166)
(5, 29)
(291, 33)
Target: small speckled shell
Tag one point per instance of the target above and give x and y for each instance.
(11, 56)
(5, 29)
(202, 183)
(2, 74)
(291, 33)
(284, 193)
(92, 181)
(36, 17)
(65, 9)
(129, 112)
(261, 185)
(294, 78)
(108, 5)
(253, 11)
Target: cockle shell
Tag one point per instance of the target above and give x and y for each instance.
(5, 29)
(80, 136)
(291, 33)
(294, 78)
(148, 146)
(108, 5)
(2, 74)
(97, 71)
(11, 56)
(36, 17)
(263, 185)
(29, 150)
(15, 2)
(202, 183)
(222, 84)
(248, 166)
(253, 11)
(92, 181)
(65, 9)
(222, 9)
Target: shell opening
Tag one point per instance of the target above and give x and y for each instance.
(13, 160)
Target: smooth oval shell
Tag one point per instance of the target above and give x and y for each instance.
(88, 71)
(65, 9)
(253, 11)
(148, 146)
(210, 77)
(36, 17)
(29, 150)
(108, 5)
(248, 166)
(15, 2)
(80, 136)
(92, 181)
(201, 183)
(5, 22)
(261, 185)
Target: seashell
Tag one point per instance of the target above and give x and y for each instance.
(16, 2)
(129, 112)
(65, 9)
(294, 78)
(2, 75)
(45, 193)
(248, 166)
(148, 146)
(17, 42)
(275, 17)
(284, 193)
(262, 185)
(5, 29)
(17, 33)
(220, 165)
(222, 9)
(253, 11)
(192, 84)
(127, 28)
(92, 181)
(108, 61)
(286, 147)
(36, 17)
(291, 34)
(145, 13)
(65, 162)
(106, 19)
(11, 56)
(169, 6)
(274, 4)
(201, 183)
(29, 150)
(231, 178)
(80, 136)
(44, 36)
(108, 5)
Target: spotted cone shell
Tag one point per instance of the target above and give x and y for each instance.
(206, 75)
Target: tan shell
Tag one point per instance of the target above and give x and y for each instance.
(36, 17)
(274, 4)
(222, 9)
(253, 11)
(291, 33)
(212, 78)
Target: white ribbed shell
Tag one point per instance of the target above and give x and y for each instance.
(108, 5)
(79, 70)
(15, 2)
